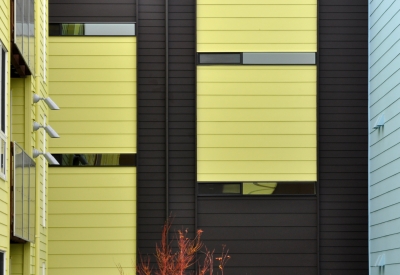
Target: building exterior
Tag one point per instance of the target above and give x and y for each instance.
(383, 136)
(247, 119)
(23, 175)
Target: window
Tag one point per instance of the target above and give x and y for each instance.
(2, 263)
(44, 175)
(256, 188)
(95, 160)
(3, 90)
(23, 196)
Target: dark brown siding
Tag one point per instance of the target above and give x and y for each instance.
(152, 150)
(182, 112)
(151, 124)
(82, 11)
(343, 95)
(264, 235)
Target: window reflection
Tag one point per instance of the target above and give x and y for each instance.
(257, 188)
(91, 160)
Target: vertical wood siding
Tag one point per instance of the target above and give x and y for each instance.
(93, 81)
(342, 113)
(256, 123)
(384, 144)
(92, 220)
(83, 11)
(240, 25)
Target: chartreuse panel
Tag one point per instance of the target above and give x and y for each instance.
(93, 80)
(92, 220)
(256, 26)
(256, 123)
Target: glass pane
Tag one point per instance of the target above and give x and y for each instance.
(3, 157)
(19, 22)
(278, 188)
(25, 199)
(25, 31)
(32, 199)
(3, 81)
(90, 160)
(259, 188)
(96, 29)
(72, 29)
(218, 188)
(18, 189)
(219, 58)
(31, 29)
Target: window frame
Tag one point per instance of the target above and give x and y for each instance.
(3, 110)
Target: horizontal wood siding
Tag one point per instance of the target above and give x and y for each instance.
(4, 184)
(263, 235)
(239, 26)
(82, 11)
(342, 113)
(384, 144)
(17, 259)
(256, 123)
(182, 112)
(151, 124)
(18, 111)
(92, 220)
(93, 81)
(5, 24)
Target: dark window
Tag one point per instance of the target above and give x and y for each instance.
(95, 160)
(257, 188)
(219, 58)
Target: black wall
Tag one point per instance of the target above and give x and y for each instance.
(166, 118)
(343, 140)
(264, 235)
(82, 11)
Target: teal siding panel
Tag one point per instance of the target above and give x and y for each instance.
(384, 92)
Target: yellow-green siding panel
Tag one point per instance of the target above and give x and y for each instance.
(5, 23)
(92, 220)
(240, 26)
(263, 132)
(17, 258)
(18, 111)
(94, 83)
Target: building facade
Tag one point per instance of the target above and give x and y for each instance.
(247, 119)
(24, 139)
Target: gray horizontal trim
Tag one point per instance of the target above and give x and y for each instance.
(92, 29)
(279, 58)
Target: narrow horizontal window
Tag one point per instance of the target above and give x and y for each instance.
(278, 188)
(219, 188)
(279, 58)
(95, 160)
(219, 58)
(261, 58)
(257, 188)
(92, 29)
